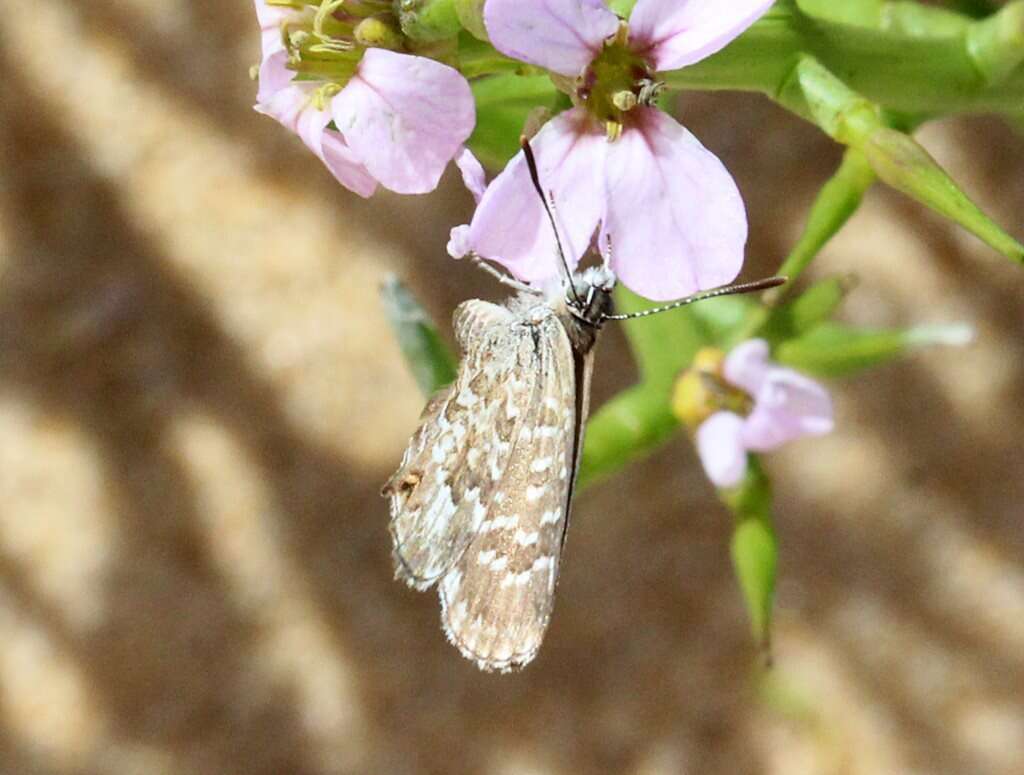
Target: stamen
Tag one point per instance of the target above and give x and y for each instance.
(323, 13)
(624, 100)
(332, 47)
(649, 90)
(322, 96)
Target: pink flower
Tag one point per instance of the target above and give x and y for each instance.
(786, 406)
(668, 212)
(385, 117)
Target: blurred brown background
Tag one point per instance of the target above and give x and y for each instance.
(199, 400)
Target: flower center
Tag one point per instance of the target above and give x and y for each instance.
(616, 81)
(702, 390)
(326, 40)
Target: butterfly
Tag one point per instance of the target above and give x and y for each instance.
(480, 503)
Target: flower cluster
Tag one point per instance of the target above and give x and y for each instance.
(372, 115)
(665, 212)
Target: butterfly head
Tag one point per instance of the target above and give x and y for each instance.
(589, 299)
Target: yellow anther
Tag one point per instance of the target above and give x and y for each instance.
(624, 100)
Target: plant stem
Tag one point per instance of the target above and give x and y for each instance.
(904, 73)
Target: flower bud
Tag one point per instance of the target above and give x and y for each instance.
(429, 20)
(378, 32)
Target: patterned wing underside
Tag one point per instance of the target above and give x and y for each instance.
(462, 447)
(497, 600)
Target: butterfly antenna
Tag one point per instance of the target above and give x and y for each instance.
(725, 290)
(531, 164)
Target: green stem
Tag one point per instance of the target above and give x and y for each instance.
(477, 58)
(905, 73)
(836, 203)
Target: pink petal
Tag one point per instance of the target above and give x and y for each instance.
(274, 76)
(404, 117)
(292, 108)
(271, 16)
(510, 226)
(788, 406)
(675, 218)
(473, 175)
(271, 19)
(747, 365)
(560, 35)
(459, 245)
(345, 166)
(672, 34)
(721, 449)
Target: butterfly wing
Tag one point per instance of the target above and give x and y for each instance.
(497, 600)
(462, 447)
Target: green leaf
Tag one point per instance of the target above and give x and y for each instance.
(996, 44)
(837, 201)
(719, 317)
(894, 156)
(814, 306)
(907, 167)
(923, 21)
(503, 104)
(864, 13)
(835, 350)
(662, 344)
(431, 361)
(754, 548)
(629, 426)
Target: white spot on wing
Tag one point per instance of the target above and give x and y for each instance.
(503, 523)
(466, 398)
(533, 494)
(541, 464)
(516, 579)
(550, 517)
(527, 539)
(499, 564)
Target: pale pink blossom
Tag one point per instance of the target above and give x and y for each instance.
(664, 208)
(397, 121)
(786, 406)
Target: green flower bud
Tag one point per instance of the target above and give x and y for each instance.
(428, 20)
(378, 32)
